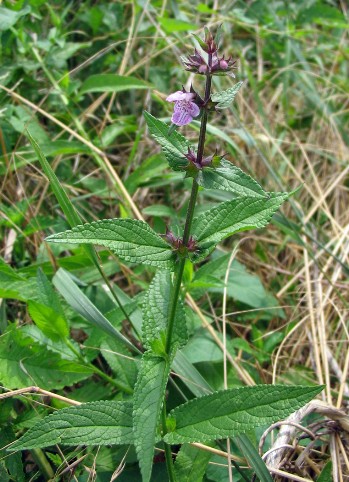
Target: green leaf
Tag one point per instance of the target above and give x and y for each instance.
(147, 404)
(231, 412)
(234, 216)
(24, 362)
(112, 83)
(84, 306)
(228, 177)
(8, 18)
(173, 25)
(13, 464)
(61, 147)
(190, 375)
(191, 464)
(47, 295)
(120, 361)
(326, 473)
(94, 423)
(200, 41)
(66, 205)
(62, 198)
(253, 458)
(226, 97)
(173, 146)
(132, 240)
(156, 310)
(51, 323)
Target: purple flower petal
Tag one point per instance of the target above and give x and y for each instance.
(184, 112)
(181, 118)
(180, 95)
(193, 110)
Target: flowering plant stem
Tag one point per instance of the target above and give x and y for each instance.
(190, 212)
(186, 235)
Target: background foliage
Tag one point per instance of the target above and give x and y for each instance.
(286, 292)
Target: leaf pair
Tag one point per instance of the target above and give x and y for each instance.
(135, 241)
(222, 414)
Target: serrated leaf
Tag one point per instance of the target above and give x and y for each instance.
(94, 423)
(230, 412)
(51, 323)
(24, 362)
(156, 310)
(131, 239)
(112, 83)
(147, 404)
(234, 216)
(228, 177)
(191, 464)
(173, 146)
(84, 306)
(226, 97)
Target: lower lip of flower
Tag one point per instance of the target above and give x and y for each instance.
(184, 112)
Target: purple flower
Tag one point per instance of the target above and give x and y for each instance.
(185, 109)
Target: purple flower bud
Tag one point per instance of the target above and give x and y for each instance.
(192, 245)
(203, 69)
(223, 64)
(178, 245)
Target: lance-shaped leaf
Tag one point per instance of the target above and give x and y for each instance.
(230, 412)
(112, 83)
(228, 177)
(226, 97)
(94, 423)
(237, 215)
(83, 305)
(156, 310)
(130, 239)
(147, 404)
(173, 146)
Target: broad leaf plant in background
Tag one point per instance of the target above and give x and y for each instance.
(140, 417)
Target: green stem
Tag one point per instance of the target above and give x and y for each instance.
(189, 218)
(96, 370)
(180, 269)
(43, 464)
(168, 453)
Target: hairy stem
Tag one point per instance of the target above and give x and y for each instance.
(180, 269)
(168, 452)
(190, 215)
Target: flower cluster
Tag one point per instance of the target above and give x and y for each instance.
(208, 62)
(214, 64)
(219, 65)
(206, 161)
(178, 245)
